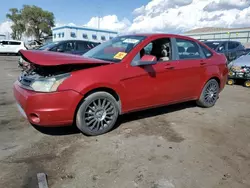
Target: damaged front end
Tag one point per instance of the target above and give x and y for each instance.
(44, 71)
(47, 78)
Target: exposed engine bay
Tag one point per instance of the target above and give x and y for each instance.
(43, 78)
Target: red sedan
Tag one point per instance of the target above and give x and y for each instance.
(128, 73)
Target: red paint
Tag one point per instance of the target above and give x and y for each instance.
(48, 58)
(53, 109)
(137, 87)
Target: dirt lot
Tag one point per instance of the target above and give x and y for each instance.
(180, 146)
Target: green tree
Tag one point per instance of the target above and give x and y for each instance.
(31, 20)
(38, 21)
(18, 27)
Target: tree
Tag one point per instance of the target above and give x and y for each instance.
(31, 20)
(18, 27)
(38, 21)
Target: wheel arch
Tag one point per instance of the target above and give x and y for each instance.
(99, 89)
(213, 77)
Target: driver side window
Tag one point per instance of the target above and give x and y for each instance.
(160, 48)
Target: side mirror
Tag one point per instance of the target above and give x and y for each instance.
(146, 60)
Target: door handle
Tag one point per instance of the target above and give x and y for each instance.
(167, 67)
(202, 62)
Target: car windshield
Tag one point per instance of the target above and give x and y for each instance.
(116, 49)
(48, 45)
(212, 45)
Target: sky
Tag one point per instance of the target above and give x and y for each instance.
(171, 16)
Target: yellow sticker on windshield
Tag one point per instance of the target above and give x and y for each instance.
(120, 55)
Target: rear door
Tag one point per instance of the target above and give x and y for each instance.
(232, 51)
(14, 46)
(189, 70)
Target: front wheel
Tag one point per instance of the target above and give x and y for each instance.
(209, 94)
(97, 114)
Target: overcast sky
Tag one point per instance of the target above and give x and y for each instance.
(172, 16)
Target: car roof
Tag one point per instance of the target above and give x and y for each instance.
(220, 41)
(74, 40)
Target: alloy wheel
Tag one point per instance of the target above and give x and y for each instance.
(99, 114)
(211, 93)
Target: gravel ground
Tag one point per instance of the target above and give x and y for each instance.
(179, 146)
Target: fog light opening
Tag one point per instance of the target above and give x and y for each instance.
(34, 117)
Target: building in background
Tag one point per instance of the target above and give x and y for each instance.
(210, 33)
(82, 33)
(2, 36)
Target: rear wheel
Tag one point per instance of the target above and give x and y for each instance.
(209, 94)
(230, 81)
(97, 114)
(247, 83)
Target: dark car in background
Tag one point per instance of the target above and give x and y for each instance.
(231, 49)
(78, 47)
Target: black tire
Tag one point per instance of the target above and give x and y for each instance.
(94, 116)
(209, 94)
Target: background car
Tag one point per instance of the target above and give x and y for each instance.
(231, 49)
(11, 46)
(78, 47)
(247, 51)
(35, 44)
(122, 75)
(240, 70)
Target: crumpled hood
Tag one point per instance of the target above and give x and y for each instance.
(47, 58)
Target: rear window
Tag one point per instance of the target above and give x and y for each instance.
(206, 52)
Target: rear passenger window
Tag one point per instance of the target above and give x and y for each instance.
(14, 43)
(188, 49)
(206, 52)
(81, 46)
(232, 45)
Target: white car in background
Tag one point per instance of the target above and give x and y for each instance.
(11, 46)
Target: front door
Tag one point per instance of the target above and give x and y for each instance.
(151, 85)
(4, 47)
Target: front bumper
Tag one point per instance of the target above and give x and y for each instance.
(47, 109)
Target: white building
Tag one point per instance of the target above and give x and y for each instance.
(210, 33)
(2, 36)
(82, 33)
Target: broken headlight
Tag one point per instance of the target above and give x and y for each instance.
(48, 84)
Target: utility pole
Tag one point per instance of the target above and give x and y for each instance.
(98, 17)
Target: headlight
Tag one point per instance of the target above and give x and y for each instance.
(48, 84)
